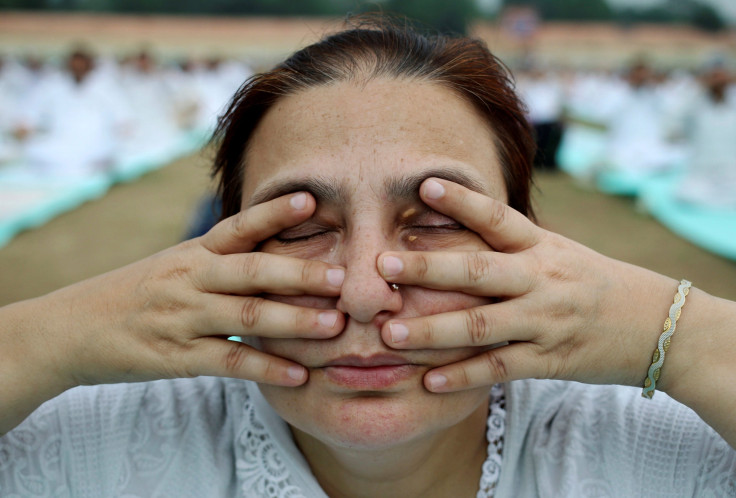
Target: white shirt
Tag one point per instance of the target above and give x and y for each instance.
(212, 437)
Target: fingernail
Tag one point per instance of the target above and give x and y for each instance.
(392, 266)
(433, 190)
(327, 318)
(335, 276)
(436, 381)
(399, 332)
(296, 373)
(298, 201)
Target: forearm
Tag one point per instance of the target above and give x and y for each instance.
(29, 353)
(700, 366)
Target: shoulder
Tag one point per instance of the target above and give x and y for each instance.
(578, 438)
(114, 437)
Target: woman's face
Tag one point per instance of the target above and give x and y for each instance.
(362, 150)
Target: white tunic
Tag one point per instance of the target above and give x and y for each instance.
(711, 175)
(76, 126)
(637, 136)
(219, 438)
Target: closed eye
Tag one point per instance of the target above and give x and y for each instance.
(291, 239)
(440, 228)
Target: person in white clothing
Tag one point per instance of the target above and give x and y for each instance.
(154, 127)
(71, 124)
(711, 175)
(379, 263)
(638, 142)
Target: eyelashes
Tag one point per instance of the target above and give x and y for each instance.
(285, 238)
(414, 224)
(439, 229)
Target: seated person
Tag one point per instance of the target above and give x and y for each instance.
(71, 124)
(711, 174)
(393, 295)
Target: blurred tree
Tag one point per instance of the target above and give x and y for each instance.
(707, 18)
(24, 4)
(440, 15)
(693, 12)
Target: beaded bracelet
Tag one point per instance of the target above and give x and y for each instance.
(664, 340)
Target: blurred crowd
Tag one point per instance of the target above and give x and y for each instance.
(624, 131)
(85, 115)
(620, 130)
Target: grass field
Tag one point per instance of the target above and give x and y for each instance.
(137, 219)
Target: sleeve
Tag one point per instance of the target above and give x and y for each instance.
(577, 440)
(160, 438)
(31, 457)
(71, 446)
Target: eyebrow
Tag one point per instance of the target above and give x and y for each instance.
(324, 190)
(407, 187)
(328, 191)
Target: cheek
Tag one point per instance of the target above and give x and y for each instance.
(320, 249)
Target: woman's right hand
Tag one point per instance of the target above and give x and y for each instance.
(169, 315)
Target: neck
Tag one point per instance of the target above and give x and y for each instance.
(445, 463)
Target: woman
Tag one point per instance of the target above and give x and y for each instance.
(383, 285)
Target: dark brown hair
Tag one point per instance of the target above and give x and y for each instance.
(381, 48)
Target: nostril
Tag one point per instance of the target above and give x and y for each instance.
(363, 299)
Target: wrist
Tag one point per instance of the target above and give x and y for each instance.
(29, 372)
(698, 350)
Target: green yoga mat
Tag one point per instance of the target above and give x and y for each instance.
(710, 228)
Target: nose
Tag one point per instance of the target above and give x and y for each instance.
(365, 294)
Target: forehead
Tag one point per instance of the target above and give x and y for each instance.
(373, 133)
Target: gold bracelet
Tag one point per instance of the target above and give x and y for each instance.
(664, 340)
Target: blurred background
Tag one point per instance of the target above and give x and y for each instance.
(106, 107)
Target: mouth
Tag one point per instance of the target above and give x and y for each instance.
(372, 373)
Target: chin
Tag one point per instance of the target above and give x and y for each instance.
(370, 420)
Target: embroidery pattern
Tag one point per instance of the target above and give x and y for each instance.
(263, 472)
(495, 436)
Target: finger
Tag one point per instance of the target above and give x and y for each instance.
(256, 316)
(512, 362)
(221, 358)
(472, 327)
(504, 228)
(255, 273)
(480, 273)
(243, 231)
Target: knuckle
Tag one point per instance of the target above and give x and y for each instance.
(307, 270)
(250, 312)
(251, 266)
(477, 326)
(427, 332)
(477, 267)
(421, 266)
(463, 377)
(497, 214)
(269, 371)
(496, 366)
(238, 225)
(303, 319)
(236, 356)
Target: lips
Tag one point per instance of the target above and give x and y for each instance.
(372, 373)
(376, 360)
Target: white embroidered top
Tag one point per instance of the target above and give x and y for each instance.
(218, 437)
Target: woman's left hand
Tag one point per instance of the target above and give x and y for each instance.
(563, 311)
